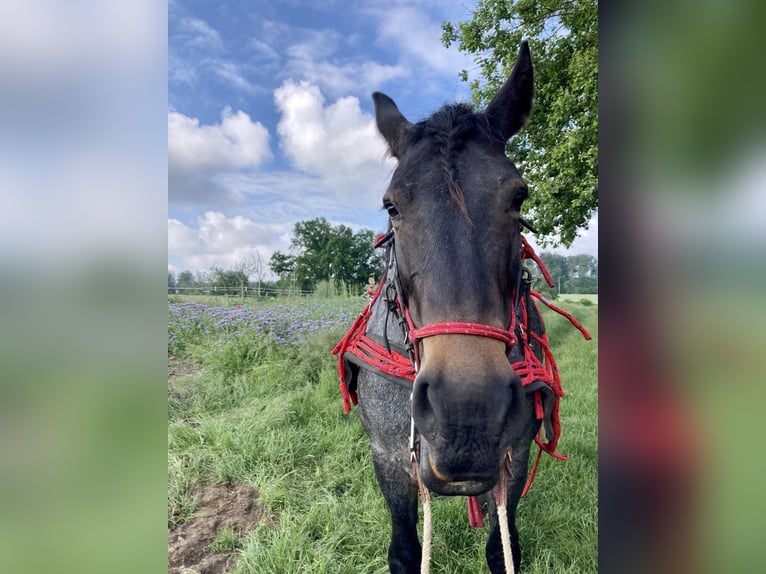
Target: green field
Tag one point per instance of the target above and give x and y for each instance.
(579, 297)
(257, 402)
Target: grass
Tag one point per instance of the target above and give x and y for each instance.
(225, 541)
(269, 413)
(581, 298)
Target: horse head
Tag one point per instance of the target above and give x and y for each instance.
(454, 202)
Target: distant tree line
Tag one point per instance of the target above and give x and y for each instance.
(321, 254)
(570, 273)
(216, 281)
(333, 255)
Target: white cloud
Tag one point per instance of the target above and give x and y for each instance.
(196, 52)
(215, 239)
(197, 33)
(311, 60)
(336, 142)
(231, 72)
(237, 142)
(294, 196)
(585, 242)
(182, 240)
(338, 159)
(418, 40)
(263, 50)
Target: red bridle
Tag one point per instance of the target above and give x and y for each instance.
(476, 329)
(529, 367)
(415, 334)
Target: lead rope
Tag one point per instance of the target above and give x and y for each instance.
(425, 496)
(501, 497)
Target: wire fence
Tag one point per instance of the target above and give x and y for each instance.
(239, 292)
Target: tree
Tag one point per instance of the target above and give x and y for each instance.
(571, 274)
(558, 267)
(282, 265)
(227, 281)
(583, 266)
(251, 265)
(557, 151)
(329, 253)
(583, 285)
(186, 281)
(171, 283)
(583, 274)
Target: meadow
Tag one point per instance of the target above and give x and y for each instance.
(261, 406)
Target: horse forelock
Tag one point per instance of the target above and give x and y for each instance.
(450, 128)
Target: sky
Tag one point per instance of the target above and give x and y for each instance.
(270, 119)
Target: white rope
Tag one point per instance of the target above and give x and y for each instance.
(425, 496)
(501, 496)
(502, 517)
(505, 538)
(425, 562)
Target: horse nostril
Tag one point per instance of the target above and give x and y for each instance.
(515, 384)
(423, 409)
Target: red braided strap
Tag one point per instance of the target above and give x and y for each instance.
(560, 311)
(377, 356)
(355, 332)
(528, 253)
(475, 329)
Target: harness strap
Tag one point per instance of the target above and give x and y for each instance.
(476, 329)
(575, 323)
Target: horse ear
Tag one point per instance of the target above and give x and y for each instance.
(391, 123)
(509, 109)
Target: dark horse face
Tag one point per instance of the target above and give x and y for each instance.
(454, 203)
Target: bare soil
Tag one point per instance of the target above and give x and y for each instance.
(178, 367)
(219, 506)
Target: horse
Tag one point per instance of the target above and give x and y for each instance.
(449, 303)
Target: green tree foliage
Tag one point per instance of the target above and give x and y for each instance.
(283, 266)
(230, 281)
(558, 149)
(186, 281)
(329, 253)
(171, 283)
(583, 265)
(571, 274)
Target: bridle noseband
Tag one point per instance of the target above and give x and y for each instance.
(414, 335)
(476, 329)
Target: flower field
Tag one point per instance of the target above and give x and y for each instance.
(282, 322)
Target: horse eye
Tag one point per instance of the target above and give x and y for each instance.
(389, 207)
(519, 198)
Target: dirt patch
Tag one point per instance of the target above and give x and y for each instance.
(219, 507)
(178, 367)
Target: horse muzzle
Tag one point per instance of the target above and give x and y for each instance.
(450, 482)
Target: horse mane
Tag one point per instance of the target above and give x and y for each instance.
(450, 128)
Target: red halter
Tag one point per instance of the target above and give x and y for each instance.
(416, 334)
(476, 329)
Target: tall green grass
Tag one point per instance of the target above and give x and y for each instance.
(275, 420)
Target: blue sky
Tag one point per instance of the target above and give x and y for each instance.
(270, 117)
